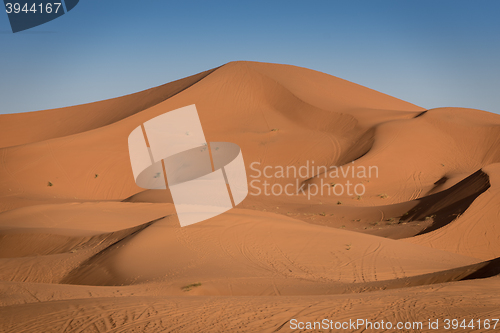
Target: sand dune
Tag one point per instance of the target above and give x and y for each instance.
(475, 232)
(84, 249)
(255, 314)
(22, 128)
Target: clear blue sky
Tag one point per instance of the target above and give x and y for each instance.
(431, 53)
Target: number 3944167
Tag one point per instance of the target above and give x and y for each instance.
(47, 8)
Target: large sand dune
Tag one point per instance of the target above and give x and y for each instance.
(84, 249)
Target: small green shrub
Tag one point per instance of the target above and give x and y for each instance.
(190, 286)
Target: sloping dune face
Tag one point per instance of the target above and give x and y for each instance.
(422, 212)
(22, 128)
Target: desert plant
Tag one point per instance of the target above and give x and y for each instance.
(50, 184)
(383, 196)
(190, 286)
(339, 202)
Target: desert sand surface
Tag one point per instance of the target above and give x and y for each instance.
(84, 249)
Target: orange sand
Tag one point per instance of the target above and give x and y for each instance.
(95, 253)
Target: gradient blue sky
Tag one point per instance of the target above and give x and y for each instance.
(431, 53)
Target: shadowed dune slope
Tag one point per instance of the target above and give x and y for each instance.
(445, 206)
(476, 232)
